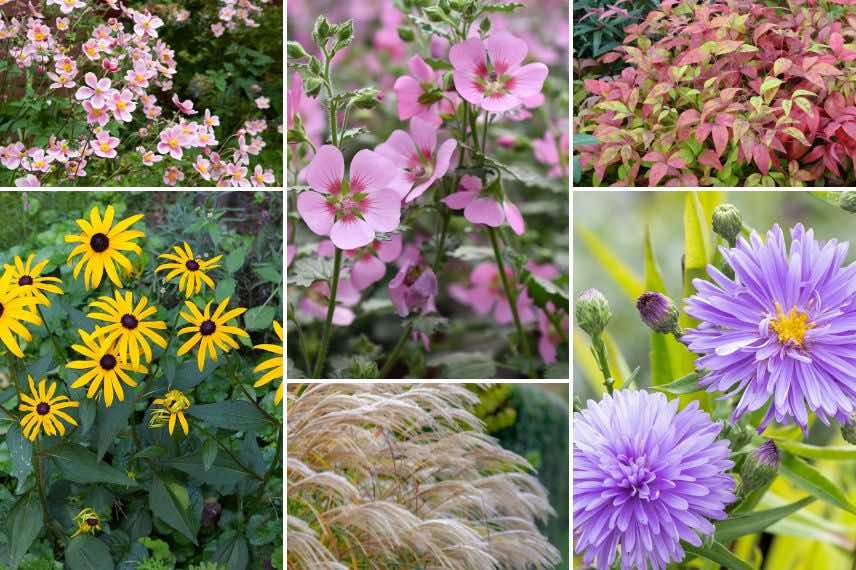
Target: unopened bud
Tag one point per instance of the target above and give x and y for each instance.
(847, 201)
(406, 34)
(760, 466)
(296, 51)
(848, 430)
(727, 222)
(592, 312)
(366, 98)
(658, 312)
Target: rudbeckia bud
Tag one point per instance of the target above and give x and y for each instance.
(658, 312)
(592, 312)
(848, 430)
(727, 222)
(847, 201)
(760, 466)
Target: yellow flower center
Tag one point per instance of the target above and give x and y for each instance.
(791, 327)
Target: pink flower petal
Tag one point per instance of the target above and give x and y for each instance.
(467, 56)
(367, 271)
(370, 171)
(459, 200)
(498, 103)
(505, 50)
(528, 80)
(351, 233)
(398, 149)
(546, 349)
(326, 171)
(316, 212)
(382, 210)
(407, 92)
(470, 183)
(485, 211)
(512, 215)
(482, 300)
(421, 70)
(483, 273)
(326, 248)
(466, 86)
(342, 316)
(424, 135)
(444, 157)
(390, 250)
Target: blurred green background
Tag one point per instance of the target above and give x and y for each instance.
(619, 219)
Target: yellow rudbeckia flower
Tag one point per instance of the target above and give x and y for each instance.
(44, 411)
(87, 521)
(28, 278)
(192, 269)
(15, 307)
(102, 245)
(106, 368)
(272, 365)
(210, 331)
(172, 408)
(128, 327)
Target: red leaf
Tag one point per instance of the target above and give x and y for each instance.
(693, 56)
(822, 68)
(688, 117)
(763, 29)
(657, 172)
(720, 139)
(654, 157)
(762, 158)
(702, 131)
(677, 161)
(710, 158)
(836, 42)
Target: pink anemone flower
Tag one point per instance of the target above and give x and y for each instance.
(95, 90)
(419, 165)
(489, 74)
(420, 95)
(122, 105)
(479, 208)
(104, 145)
(486, 295)
(349, 211)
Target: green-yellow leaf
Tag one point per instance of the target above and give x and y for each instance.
(616, 106)
(770, 83)
(797, 134)
(626, 279)
(834, 452)
(810, 479)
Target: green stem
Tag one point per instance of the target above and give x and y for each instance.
(301, 341)
(237, 382)
(57, 349)
(229, 452)
(598, 349)
(331, 307)
(402, 340)
(510, 292)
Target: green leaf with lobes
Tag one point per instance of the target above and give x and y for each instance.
(169, 500)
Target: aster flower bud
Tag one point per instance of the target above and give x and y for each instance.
(760, 466)
(847, 201)
(727, 222)
(592, 312)
(658, 312)
(848, 430)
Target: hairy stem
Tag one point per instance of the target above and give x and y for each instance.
(510, 292)
(331, 307)
(598, 349)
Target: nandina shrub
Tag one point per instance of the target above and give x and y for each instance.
(147, 451)
(728, 93)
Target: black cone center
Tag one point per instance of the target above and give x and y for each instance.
(129, 321)
(207, 327)
(107, 362)
(43, 408)
(25, 280)
(92, 522)
(192, 265)
(99, 242)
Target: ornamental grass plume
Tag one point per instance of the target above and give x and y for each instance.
(781, 331)
(646, 477)
(402, 476)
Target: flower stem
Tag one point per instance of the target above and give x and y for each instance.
(59, 352)
(229, 452)
(331, 307)
(237, 382)
(510, 292)
(598, 349)
(390, 362)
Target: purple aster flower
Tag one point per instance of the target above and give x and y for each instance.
(646, 476)
(783, 330)
(658, 312)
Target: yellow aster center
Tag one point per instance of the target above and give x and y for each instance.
(791, 327)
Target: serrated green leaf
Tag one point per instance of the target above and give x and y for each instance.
(307, 270)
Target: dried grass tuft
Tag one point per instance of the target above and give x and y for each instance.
(402, 476)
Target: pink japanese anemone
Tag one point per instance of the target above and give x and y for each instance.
(488, 74)
(350, 210)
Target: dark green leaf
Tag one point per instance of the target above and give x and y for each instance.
(259, 318)
(225, 288)
(716, 552)
(684, 385)
(169, 500)
(187, 376)
(88, 553)
(235, 260)
(80, 465)
(583, 139)
(543, 291)
(237, 415)
(110, 422)
(209, 453)
(736, 526)
(233, 553)
(224, 470)
(24, 525)
(21, 454)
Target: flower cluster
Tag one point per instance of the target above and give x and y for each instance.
(236, 13)
(116, 86)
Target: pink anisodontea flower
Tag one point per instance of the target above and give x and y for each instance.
(486, 295)
(95, 90)
(413, 289)
(550, 338)
(420, 95)
(104, 145)
(317, 297)
(369, 261)
(488, 73)
(553, 152)
(485, 207)
(349, 211)
(418, 163)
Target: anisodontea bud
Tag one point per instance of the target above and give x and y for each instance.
(658, 312)
(848, 430)
(727, 222)
(847, 201)
(760, 466)
(592, 312)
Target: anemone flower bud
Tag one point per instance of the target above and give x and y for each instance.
(592, 312)
(848, 430)
(760, 466)
(727, 222)
(658, 312)
(847, 201)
